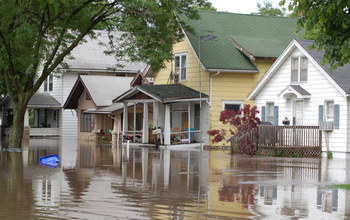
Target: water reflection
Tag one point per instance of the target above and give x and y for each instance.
(104, 182)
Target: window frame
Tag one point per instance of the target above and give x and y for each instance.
(48, 83)
(84, 126)
(229, 102)
(325, 111)
(299, 69)
(180, 55)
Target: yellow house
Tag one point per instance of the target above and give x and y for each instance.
(225, 57)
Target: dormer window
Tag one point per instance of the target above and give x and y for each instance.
(48, 83)
(298, 69)
(180, 67)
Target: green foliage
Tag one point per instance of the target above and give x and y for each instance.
(208, 6)
(327, 23)
(268, 10)
(329, 154)
(279, 153)
(341, 186)
(36, 36)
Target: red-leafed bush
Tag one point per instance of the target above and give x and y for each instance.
(242, 128)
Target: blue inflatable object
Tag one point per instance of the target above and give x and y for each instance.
(51, 161)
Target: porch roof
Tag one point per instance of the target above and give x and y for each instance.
(105, 110)
(38, 100)
(297, 90)
(163, 93)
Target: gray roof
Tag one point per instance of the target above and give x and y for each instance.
(341, 75)
(41, 100)
(164, 93)
(106, 110)
(38, 100)
(91, 55)
(300, 90)
(103, 89)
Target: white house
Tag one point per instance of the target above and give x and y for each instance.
(300, 90)
(46, 116)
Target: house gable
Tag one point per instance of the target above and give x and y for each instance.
(294, 45)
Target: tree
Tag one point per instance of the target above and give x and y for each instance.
(268, 10)
(37, 35)
(208, 6)
(242, 127)
(327, 23)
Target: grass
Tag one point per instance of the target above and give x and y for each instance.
(341, 186)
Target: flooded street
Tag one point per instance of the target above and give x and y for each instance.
(101, 182)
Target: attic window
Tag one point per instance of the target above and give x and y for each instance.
(208, 37)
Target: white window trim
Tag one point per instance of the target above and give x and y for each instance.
(325, 110)
(229, 102)
(181, 54)
(299, 69)
(47, 83)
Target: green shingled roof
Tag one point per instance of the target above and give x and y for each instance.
(262, 36)
(171, 92)
(163, 93)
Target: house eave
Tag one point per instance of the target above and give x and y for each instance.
(232, 70)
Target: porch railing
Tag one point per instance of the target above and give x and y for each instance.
(292, 138)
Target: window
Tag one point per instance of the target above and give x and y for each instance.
(270, 115)
(180, 67)
(48, 83)
(86, 122)
(329, 111)
(232, 105)
(298, 69)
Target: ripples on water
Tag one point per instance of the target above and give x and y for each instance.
(101, 182)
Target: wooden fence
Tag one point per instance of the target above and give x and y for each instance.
(289, 140)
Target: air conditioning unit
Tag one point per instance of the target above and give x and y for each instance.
(326, 125)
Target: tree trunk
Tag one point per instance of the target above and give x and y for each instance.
(19, 105)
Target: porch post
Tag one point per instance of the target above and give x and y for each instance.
(134, 134)
(167, 127)
(125, 119)
(145, 123)
(115, 131)
(189, 122)
(155, 114)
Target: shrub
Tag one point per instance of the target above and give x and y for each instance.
(242, 128)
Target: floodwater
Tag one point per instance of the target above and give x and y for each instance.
(101, 182)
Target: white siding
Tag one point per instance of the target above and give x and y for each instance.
(319, 88)
(69, 118)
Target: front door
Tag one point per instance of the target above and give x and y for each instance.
(298, 112)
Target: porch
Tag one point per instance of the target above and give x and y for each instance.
(290, 140)
(176, 114)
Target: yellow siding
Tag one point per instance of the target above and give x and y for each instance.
(226, 86)
(233, 87)
(194, 70)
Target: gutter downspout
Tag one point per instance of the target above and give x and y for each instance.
(211, 87)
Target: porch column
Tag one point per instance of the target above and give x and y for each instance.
(167, 127)
(26, 118)
(145, 123)
(115, 131)
(155, 114)
(189, 122)
(125, 119)
(134, 134)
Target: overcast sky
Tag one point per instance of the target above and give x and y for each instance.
(240, 6)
